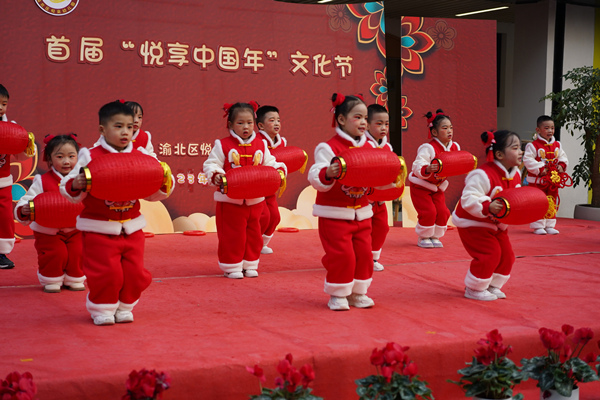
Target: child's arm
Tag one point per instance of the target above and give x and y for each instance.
(22, 211)
(321, 173)
(213, 166)
(474, 198)
(150, 147)
(561, 156)
(72, 185)
(533, 166)
(270, 161)
(422, 167)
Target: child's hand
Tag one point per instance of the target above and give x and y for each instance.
(560, 169)
(332, 171)
(432, 168)
(25, 210)
(496, 206)
(218, 179)
(79, 183)
(543, 171)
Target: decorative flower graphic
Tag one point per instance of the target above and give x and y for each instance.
(379, 88)
(442, 34)
(414, 43)
(406, 113)
(338, 18)
(372, 24)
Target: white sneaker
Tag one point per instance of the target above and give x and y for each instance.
(360, 301)
(250, 273)
(497, 292)
(123, 316)
(482, 295)
(425, 243)
(266, 250)
(539, 231)
(104, 320)
(377, 266)
(234, 275)
(76, 286)
(436, 242)
(338, 303)
(552, 231)
(52, 288)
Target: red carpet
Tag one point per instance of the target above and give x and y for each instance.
(203, 329)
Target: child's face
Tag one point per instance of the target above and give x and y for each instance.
(3, 105)
(243, 124)
(137, 119)
(512, 156)
(118, 131)
(379, 125)
(64, 158)
(545, 129)
(444, 131)
(355, 123)
(271, 124)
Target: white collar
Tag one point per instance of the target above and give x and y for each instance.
(239, 139)
(359, 143)
(108, 147)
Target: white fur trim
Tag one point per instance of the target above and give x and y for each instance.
(323, 156)
(110, 227)
(421, 182)
(218, 196)
(474, 283)
(97, 310)
(424, 231)
(361, 140)
(471, 223)
(237, 267)
(72, 279)
(499, 280)
(6, 181)
(539, 224)
(361, 286)
(6, 245)
(376, 254)
(439, 231)
(266, 239)
(250, 264)
(127, 307)
(350, 214)
(338, 289)
(47, 280)
(43, 229)
(214, 162)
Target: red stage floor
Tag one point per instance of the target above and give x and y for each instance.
(203, 329)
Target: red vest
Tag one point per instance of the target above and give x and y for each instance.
(341, 195)
(50, 182)
(141, 140)
(247, 152)
(439, 149)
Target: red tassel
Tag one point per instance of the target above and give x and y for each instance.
(367, 167)
(52, 210)
(13, 138)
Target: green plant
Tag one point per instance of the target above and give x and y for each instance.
(578, 109)
(396, 377)
(561, 368)
(491, 374)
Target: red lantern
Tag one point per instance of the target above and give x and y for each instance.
(522, 205)
(453, 163)
(252, 181)
(293, 157)
(13, 138)
(365, 167)
(386, 194)
(52, 210)
(124, 176)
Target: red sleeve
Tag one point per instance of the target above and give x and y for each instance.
(323, 177)
(486, 207)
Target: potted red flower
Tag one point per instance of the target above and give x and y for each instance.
(396, 377)
(291, 385)
(18, 387)
(559, 371)
(146, 385)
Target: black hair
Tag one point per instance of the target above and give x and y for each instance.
(543, 118)
(373, 109)
(500, 142)
(134, 106)
(3, 91)
(238, 107)
(346, 106)
(111, 109)
(262, 112)
(57, 142)
(439, 116)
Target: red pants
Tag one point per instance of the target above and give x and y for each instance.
(239, 233)
(380, 226)
(270, 217)
(347, 246)
(59, 254)
(491, 251)
(431, 206)
(114, 266)
(7, 223)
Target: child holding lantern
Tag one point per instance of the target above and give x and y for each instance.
(113, 241)
(238, 219)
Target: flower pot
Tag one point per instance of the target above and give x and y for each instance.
(553, 395)
(587, 212)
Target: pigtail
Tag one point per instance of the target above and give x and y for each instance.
(433, 119)
(488, 142)
(336, 100)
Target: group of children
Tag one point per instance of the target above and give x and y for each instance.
(106, 245)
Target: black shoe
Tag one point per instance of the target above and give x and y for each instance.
(5, 263)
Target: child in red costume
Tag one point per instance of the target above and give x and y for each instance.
(113, 241)
(377, 136)
(543, 150)
(59, 250)
(484, 237)
(269, 125)
(238, 220)
(426, 188)
(344, 212)
(7, 224)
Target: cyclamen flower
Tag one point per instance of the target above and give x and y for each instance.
(583, 336)
(258, 372)
(567, 329)
(308, 375)
(552, 340)
(410, 369)
(377, 357)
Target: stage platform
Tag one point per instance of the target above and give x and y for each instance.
(203, 329)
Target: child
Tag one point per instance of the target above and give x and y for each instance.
(7, 225)
(377, 135)
(543, 150)
(484, 237)
(59, 250)
(238, 220)
(426, 188)
(344, 212)
(269, 125)
(113, 241)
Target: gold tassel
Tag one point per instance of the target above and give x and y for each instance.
(257, 159)
(401, 178)
(283, 182)
(167, 181)
(30, 150)
(236, 158)
(303, 167)
(552, 208)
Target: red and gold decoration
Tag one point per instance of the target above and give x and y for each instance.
(522, 205)
(252, 182)
(551, 182)
(453, 163)
(293, 157)
(52, 210)
(367, 167)
(395, 192)
(14, 139)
